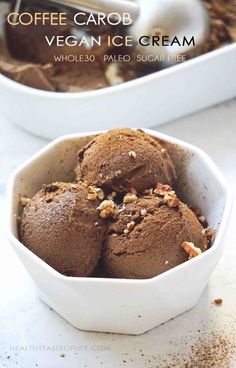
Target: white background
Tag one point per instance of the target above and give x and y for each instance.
(27, 325)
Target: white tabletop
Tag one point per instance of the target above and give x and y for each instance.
(32, 335)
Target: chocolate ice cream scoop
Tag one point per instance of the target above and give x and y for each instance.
(62, 227)
(125, 159)
(147, 239)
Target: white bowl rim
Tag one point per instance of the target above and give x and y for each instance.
(119, 87)
(204, 156)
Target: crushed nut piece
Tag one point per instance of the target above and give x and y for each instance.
(148, 191)
(122, 209)
(171, 199)
(131, 225)
(166, 262)
(74, 186)
(190, 248)
(209, 234)
(203, 221)
(162, 189)
(92, 196)
(95, 193)
(218, 301)
(96, 224)
(108, 209)
(101, 195)
(114, 235)
(163, 150)
(202, 218)
(132, 154)
(143, 212)
(24, 201)
(130, 198)
(126, 231)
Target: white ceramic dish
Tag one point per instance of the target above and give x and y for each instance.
(148, 101)
(119, 305)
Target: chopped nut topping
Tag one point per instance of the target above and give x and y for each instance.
(24, 201)
(95, 193)
(113, 194)
(203, 221)
(108, 209)
(122, 209)
(131, 225)
(143, 212)
(74, 186)
(114, 235)
(130, 198)
(148, 191)
(209, 234)
(202, 218)
(166, 262)
(171, 199)
(92, 196)
(162, 189)
(96, 224)
(126, 231)
(163, 150)
(218, 301)
(132, 154)
(191, 249)
(101, 195)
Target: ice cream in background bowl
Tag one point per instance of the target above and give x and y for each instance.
(68, 99)
(122, 293)
(88, 69)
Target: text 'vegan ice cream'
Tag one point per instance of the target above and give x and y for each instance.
(85, 75)
(61, 226)
(125, 159)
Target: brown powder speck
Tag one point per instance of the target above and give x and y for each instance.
(218, 301)
(212, 351)
(215, 352)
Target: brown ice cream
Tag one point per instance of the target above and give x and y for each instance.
(62, 227)
(146, 240)
(222, 23)
(124, 160)
(121, 219)
(32, 75)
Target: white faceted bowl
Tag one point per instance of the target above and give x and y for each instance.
(122, 305)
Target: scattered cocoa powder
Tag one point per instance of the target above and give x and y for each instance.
(215, 352)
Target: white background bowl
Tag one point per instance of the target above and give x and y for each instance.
(124, 306)
(148, 101)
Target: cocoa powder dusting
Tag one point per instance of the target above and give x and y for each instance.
(214, 350)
